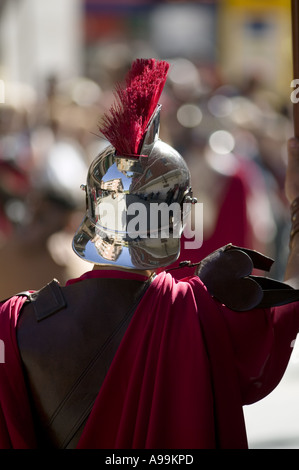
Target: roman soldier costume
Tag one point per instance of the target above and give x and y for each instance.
(123, 358)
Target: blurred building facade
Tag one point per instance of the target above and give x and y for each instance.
(70, 38)
(40, 39)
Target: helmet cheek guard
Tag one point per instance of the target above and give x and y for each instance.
(136, 205)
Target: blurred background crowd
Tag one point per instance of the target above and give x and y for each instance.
(226, 109)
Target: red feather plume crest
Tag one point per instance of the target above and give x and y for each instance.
(125, 124)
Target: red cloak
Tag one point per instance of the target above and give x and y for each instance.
(182, 373)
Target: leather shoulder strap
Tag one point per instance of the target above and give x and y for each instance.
(47, 300)
(86, 389)
(65, 424)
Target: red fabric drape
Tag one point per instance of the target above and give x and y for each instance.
(184, 368)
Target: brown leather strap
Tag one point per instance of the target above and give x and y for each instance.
(48, 300)
(64, 425)
(82, 395)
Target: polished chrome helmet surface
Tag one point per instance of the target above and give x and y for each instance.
(118, 188)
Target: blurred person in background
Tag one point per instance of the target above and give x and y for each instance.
(38, 245)
(208, 126)
(122, 358)
(39, 242)
(46, 139)
(15, 162)
(14, 185)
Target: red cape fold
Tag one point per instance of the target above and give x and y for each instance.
(179, 379)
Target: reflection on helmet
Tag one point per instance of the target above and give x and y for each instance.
(134, 216)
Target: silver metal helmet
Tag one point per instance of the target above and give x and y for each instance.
(136, 206)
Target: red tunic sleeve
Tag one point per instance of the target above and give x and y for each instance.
(263, 347)
(16, 425)
(262, 342)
